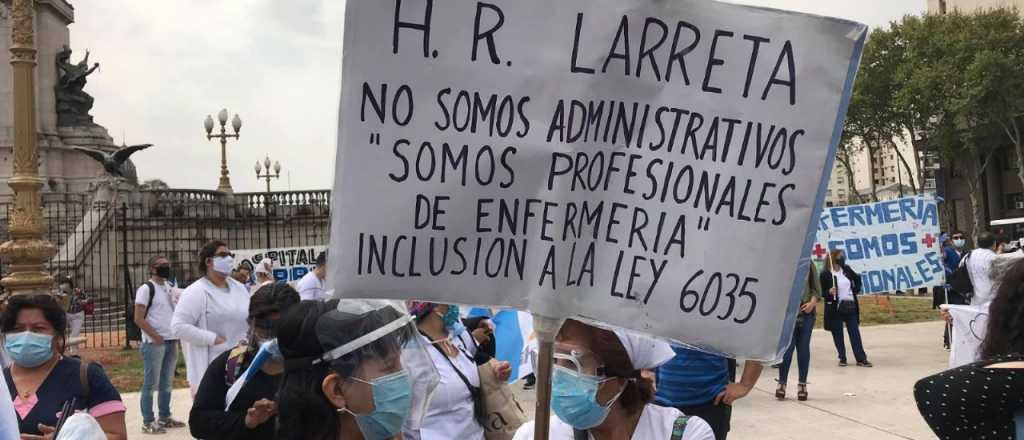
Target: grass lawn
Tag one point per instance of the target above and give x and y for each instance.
(904, 309)
(124, 367)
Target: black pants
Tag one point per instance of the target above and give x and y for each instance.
(719, 417)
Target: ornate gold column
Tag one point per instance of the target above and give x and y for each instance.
(27, 253)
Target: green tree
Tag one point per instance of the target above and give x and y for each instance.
(872, 119)
(952, 83)
(992, 92)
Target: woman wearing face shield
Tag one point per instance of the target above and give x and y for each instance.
(42, 382)
(453, 411)
(353, 370)
(252, 412)
(598, 391)
(210, 317)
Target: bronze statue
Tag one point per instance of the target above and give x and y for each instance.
(73, 103)
(116, 164)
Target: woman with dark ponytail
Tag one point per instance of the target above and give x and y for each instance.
(354, 370)
(979, 400)
(251, 412)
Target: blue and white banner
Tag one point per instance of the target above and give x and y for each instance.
(893, 245)
(290, 264)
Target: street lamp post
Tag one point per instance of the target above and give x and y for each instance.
(263, 172)
(27, 252)
(236, 124)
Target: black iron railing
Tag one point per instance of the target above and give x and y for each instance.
(105, 247)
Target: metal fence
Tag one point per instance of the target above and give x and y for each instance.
(104, 247)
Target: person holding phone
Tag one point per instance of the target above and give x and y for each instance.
(42, 382)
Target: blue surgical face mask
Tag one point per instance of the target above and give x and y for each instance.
(456, 329)
(29, 349)
(574, 398)
(392, 400)
(959, 243)
(451, 317)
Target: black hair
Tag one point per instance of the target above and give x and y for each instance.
(208, 251)
(272, 298)
(321, 259)
(304, 411)
(52, 312)
(988, 240)
(1005, 334)
(308, 331)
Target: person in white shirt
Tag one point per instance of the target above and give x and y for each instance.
(451, 413)
(979, 266)
(311, 286)
(264, 274)
(211, 315)
(154, 309)
(841, 286)
(986, 266)
(599, 389)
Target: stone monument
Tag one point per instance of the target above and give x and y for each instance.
(62, 106)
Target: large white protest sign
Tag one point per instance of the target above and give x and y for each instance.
(893, 245)
(654, 165)
(290, 264)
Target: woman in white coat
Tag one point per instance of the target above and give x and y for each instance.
(452, 413)
(210, 317)
(598, 391)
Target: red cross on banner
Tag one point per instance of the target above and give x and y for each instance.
(928, 240)
(819, 252)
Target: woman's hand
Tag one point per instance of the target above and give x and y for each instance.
(48, 433)
(503, 370)
(260, 413)
(484, 331)
(810, 306)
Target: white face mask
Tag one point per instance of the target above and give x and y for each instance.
(959, 243)
(223, 265)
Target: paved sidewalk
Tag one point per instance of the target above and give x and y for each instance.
(848, 403)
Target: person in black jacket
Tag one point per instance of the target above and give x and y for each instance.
(252, 415)
(840, 286)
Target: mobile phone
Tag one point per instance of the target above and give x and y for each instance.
(66, 411)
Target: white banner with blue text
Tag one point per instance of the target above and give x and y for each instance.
(893, 245)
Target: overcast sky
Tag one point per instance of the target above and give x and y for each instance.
(167, 64)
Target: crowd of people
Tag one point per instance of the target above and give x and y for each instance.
(267, 360)
(983, 394)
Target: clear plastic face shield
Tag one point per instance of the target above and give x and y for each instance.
(387, 360)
